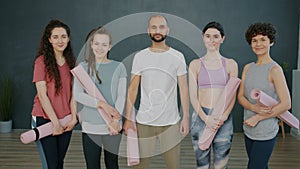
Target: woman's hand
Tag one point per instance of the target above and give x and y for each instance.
(57, 128)
(213, 122)
(114, 127)
(252, 121)
(69, 126)
(261, 109)
(111, 111)
(223, 118)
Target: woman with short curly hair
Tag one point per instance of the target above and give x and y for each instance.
(260, 122)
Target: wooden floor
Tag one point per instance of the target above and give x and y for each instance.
(15, 155)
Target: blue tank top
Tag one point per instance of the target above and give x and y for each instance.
(257, 77)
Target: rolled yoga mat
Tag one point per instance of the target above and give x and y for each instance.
(42, 131)
(89, 86)
(208, 134)
(133, 154)
(267, 100)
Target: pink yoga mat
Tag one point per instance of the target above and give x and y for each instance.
(89, 86)
(224, 100)
(133, 155)
(42, 131)
(267, 100)
(92, 90)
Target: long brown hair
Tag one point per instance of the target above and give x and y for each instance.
(46, 49)
(89, 55)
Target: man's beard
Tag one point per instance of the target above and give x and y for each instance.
(163, 37)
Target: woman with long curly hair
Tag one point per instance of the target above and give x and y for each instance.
(54, 99)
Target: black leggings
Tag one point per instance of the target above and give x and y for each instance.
(259, 152)
(54, 147)
(92, 147)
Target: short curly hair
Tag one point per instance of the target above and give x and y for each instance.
(265, 29)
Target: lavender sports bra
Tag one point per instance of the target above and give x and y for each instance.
(212, 78)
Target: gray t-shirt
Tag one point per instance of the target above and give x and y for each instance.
(112, 74)
(257, 77)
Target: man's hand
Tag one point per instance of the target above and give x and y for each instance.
(184, 127)
(128, 124)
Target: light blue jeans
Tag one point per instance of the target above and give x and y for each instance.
(221, 144)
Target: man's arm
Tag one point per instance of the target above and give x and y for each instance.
(131, 98)
(184, 99)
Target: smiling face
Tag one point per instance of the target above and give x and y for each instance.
(158, 28)
(212, 39)
(100, 46)
(59, 39)
(261, 45)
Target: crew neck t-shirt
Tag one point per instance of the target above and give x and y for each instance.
(159, 72)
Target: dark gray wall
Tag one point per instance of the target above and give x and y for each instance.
(23, 22)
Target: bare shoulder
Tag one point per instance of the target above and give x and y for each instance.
(246, 67)
(276, 69)
(232, 67)
(195, 63)
(231, 62)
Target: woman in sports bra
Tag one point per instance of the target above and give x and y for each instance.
(208, 76)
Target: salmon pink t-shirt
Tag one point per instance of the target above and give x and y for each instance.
(61, 101)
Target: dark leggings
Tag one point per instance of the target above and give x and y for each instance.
(54, 147)
(259, 152)
(92, 147)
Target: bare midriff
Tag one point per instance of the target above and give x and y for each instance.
(208, 97)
